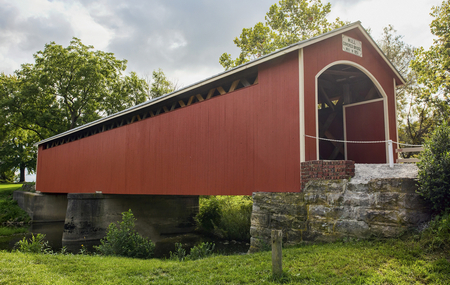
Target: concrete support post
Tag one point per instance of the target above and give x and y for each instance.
(391, 154)
(277, 267)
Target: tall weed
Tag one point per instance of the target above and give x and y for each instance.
(123, 240)
(437, 235)
(226, 217)
(37, 244)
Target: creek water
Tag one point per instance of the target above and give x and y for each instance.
(54, 231)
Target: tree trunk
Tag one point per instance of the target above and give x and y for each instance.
(22, 174)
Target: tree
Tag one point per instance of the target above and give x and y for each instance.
(416, 116)
(287, 22)
(160, 85)
(68, 87)
(18, 153)
(16, 145)
(434, 170)
(433, 66)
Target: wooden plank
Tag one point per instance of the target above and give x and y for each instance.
(409, 149)
(221, 90)
(138, 117)
(132, 119)
(165, 109)
(408, 160)
(199, 97)
(152, 114)
(234, 85)
(370, 94)
(256, 81)
(190, 100)
(245, 82)
(210, 93)
(327, 99)
(327, 124)
(145, 115)
(181, 103)
(338, 147)
(173, 106)
(158, 112)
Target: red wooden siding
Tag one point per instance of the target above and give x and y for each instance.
(319, 55)
(365, 122)
(234, 144)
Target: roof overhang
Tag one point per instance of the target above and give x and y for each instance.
(230, 72)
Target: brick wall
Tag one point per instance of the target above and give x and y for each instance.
(326, 170)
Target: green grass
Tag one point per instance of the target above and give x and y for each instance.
(10, 211)
(390, 262)
(8, 231)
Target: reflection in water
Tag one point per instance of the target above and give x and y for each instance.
(164, 245)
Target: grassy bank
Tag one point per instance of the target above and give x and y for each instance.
(10, 211)
(388, 262)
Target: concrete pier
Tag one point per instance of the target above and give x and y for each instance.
(88, 216)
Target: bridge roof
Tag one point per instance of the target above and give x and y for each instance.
(239, 69)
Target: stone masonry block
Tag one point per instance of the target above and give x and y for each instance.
(281, 221)
(358, 229)
(260, 219)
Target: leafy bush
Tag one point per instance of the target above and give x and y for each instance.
(202, 250)
(437, 235)
(123, 240)
(9, 210)
(179, 253)
(197, 252)
(434, 170)
(225, 216)
(37, 244)
(209, 213)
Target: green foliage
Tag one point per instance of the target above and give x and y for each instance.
(69, 86)
(437, 235)
(200, 251)
(287, 22)
(227, 217)
(432, 66)
(179, 253)
(434, 170)
(36, 244)
(209, 213)
(9, 231)
(416, 116)
(123, 240)
(9, 210)
(160, 85)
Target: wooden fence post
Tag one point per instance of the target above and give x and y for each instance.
(277, 267)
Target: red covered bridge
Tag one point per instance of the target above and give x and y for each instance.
(244, 130)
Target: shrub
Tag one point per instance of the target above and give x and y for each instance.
(37, 244)
(197, 252)
(179, 253)
(202, 250)
(434, 170)
(209, 213)
(225, 216)
(123, 240)
(437, 235)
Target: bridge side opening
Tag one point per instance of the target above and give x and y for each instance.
(338, 86)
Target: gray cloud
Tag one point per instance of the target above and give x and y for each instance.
(175, 35)
(21, 37)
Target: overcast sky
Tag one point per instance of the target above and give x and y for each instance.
(184, 38)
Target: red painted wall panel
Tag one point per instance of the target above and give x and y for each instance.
(365, 122)
(234, 144)
(319, 55)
